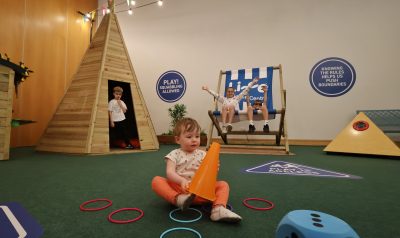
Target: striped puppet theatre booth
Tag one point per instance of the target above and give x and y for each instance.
(239, 79)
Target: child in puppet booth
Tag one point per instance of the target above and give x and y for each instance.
(229, 103)
(181, 166)
(116, 112)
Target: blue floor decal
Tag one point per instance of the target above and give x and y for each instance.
(285, 168)
(15, 222)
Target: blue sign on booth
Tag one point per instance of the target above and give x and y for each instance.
(332, 77)
(15, 221)
(171, 86)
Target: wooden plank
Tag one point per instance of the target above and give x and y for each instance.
(115, 76)
(61, 149)
(7, 86)
(238, 149)
(63, 142)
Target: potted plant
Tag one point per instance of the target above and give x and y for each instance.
(176, 113)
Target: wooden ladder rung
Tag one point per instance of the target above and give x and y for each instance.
(259, 133)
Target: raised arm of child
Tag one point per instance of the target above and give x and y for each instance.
(247, 89)
(214, 94)
(265, 89)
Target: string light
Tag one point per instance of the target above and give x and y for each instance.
(87, 16)
(130, 3)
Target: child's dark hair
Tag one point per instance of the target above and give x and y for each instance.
(257, 102)
(186, 124)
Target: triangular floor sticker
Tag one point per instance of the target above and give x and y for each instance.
(285, 168)
(362, 136)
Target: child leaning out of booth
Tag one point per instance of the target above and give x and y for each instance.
(116, 112)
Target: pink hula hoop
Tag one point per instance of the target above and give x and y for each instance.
(258, 208)
(83, 208)
(125, 221)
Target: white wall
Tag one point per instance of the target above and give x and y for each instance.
(199, 38)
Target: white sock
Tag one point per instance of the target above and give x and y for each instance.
(251, 122)
(266, 122)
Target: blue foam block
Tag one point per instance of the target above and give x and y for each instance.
(313, 224)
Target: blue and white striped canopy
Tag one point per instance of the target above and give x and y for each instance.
(239, 79)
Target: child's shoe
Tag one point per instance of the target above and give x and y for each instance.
(129, 147)
(266, 128)
(183, 201)
(220, 213)
(224, 130)
(252, 128)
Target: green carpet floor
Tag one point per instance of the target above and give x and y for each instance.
(52, 187)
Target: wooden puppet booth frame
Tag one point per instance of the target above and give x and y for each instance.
(81, 123)
(11, 75)
(239, 79)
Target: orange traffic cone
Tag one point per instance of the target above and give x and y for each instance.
(203, 183)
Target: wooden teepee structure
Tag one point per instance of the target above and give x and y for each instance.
(81, 124)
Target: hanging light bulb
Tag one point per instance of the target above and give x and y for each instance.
(160, 3)
(130, 11)
(108, 10)
(133, 3)
(128, 2)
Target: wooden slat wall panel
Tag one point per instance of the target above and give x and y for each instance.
(147, 137)
(77, 103)
(117, 66)
(49, 38)
(100, 142)
(6, 101)
(81, 122)
(49, 66)
(77, 44)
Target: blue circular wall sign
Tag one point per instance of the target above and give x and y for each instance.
(171, 86)
(332, 77)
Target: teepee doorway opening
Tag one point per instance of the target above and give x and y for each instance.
(130, 122)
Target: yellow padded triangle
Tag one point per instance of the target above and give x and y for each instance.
(362, 136)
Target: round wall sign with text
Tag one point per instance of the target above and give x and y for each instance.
(171, 86)
(332, 77)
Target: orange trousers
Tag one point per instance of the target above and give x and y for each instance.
(169, 190)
